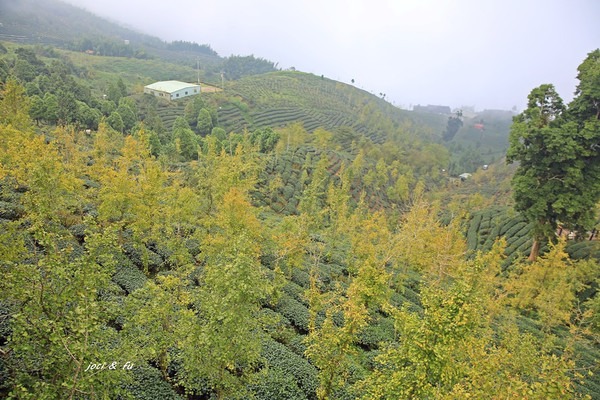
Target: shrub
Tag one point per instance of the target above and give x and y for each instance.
(298, 345)
(276, 325)
(509, 224)
(193, 246)
(295, 291)
(138, 254)
(127, 275)
(288, 192)
(583, 250)
(374, 334)
(292, 205)
(411, 296)
(149, 384)
(330, 271)
(274, 383)
(278, 356)
(78, 232)
(514, 229)
(289, 209)
(11, 211)
(301, 277)
(294, 311)
(472, 232)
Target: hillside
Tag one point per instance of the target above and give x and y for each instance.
(325, 102)
(63, 25)
(288, 237)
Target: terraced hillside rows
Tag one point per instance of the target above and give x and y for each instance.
(331, 103)
(293, 89)
(168, 115)
(282, 116)
(282, 98)
(495, 222)
(233, 120)
(286, 169)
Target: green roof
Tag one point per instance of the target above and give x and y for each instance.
(170, 86)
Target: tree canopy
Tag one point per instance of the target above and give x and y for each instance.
(558, 178)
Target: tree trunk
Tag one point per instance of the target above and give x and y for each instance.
(535, 250)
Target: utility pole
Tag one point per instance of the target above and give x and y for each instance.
(222, 80)
(198, 67)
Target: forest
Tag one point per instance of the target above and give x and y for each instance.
(252, 243)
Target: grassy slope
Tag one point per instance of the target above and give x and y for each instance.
(283, 97)
(132, 71)
(57, 23)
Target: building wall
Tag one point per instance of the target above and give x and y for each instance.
(158, 93)
(189, 91)
(178, 94)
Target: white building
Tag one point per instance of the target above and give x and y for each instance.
(172, 90)
(465, 176)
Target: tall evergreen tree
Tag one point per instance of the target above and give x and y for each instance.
(558, 178)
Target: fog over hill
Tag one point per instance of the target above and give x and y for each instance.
(484, 54)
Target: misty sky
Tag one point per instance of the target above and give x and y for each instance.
(482, 53)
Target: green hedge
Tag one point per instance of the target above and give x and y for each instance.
(296, 292)
(510, 223)
(278, 356)
(127, 275)
(294, 311)
(11, 211)
(78, 232)
(298, 345)
(149, 384)
(376, 333)
(276, 325)
(301, 277)
(514, 229)
(583, 250)
(275, 383)
(136, 255)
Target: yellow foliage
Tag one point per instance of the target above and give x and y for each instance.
(549, 285)
(429, 247)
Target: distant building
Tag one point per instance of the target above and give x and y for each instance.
(433, 109)
(497, 113)
(465, 176)
(172, 90)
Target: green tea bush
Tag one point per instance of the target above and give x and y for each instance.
(279, 356)
(514, 229)
(298, 345)
(376, 333)
(127, 275)
(274, 383)
(78, 232)
(583, 250)
(11, 211)
(139, 255)
(288, 192)
(301, 277)
(472, 232)
(149, 384)
(294, 311)
(276, 325)
(510, 223)
(296, 292)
